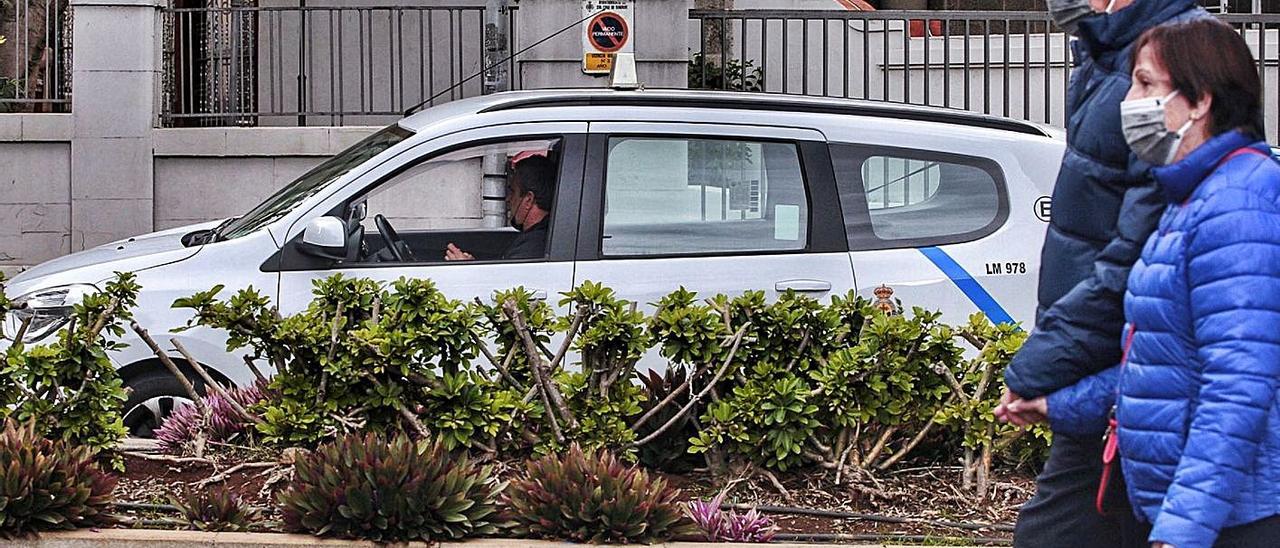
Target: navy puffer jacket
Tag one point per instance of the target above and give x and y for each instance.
(1197, 403)
(1104, 207)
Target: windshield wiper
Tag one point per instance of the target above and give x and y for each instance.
(216, 234)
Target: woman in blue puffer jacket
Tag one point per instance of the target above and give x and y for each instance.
(1196, 412)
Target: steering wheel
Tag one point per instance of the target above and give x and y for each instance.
(398, 248)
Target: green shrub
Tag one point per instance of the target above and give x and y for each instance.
(216, 509)
(707, 72)
(670, 451)
(593, 497)
(47, 484)
(69, 388)
(360, 354)
(389, 491)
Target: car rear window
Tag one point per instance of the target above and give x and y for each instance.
(912, 198)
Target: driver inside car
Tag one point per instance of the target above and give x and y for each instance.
(530, 191)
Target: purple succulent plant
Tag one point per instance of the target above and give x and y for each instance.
(720, 526)
(182, 424)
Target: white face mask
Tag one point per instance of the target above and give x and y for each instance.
(1069, 13)
(1142, 121)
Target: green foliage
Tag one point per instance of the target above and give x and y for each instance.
(687, 334)
(983, 382)
(539, 316)
(5, 303)
(709, 72)
(769, 409)
(592, 497)
(893, 374)
(611, 338)
(782, 384)
(216, 509)
(68, 388)
(613, 335)
(390, 491)
(48, 485)
(359, 354)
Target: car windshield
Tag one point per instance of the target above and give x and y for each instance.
(312, 182)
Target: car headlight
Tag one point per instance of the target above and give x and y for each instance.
(47, 309)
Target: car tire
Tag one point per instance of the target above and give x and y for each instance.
(154, 395)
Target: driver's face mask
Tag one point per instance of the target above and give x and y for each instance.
(1142, 121)
(1069, 13)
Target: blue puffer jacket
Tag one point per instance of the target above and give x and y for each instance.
(1198, 413)
(1104, 207)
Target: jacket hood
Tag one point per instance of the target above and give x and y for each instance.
(1178, 180)
(1118, 30)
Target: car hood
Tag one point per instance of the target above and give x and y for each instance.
(131, 254)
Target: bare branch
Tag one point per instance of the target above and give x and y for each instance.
(22, 330)
(737, 339)
(257, 374)
(216, 387)
(504, 368)
(222, 476)
(578, 316)
(173, 369)
(688, 381)
(102, 320)
(538, 366)
(167, 458)
(804, 344)
(879, 446)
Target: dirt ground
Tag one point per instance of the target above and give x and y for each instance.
(913, 505)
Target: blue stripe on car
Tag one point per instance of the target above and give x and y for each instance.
(969, 286)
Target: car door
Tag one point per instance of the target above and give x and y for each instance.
(449, 191)
(938, 230)
(711, 208)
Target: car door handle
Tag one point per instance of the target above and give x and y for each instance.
(803, 286)
(539, 295)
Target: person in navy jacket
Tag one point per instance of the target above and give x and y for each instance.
(1194, 396)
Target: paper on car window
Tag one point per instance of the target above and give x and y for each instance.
(786, 222)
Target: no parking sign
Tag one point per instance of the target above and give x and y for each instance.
(607, 31)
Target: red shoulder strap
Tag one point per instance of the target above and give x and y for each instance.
(1240, 151)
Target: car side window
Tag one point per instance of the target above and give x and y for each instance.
(684, 196)
(463, 199)
(910, 198)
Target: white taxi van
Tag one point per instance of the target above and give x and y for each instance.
(644, 191)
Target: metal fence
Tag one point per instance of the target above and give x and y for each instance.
(35, 56)
(1013, 64)
(317, 65)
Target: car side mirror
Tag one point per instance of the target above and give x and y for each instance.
(325, 237)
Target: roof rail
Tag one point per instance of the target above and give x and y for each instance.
(778, 103)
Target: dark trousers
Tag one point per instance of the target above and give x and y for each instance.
(1264, 533)
(1062, 513)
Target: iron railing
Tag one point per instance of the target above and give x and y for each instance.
(317, 65)
(35, 58)
(1012, 64)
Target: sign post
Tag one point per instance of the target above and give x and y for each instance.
(608, 31)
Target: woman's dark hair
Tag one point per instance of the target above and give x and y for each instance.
(1208, 56)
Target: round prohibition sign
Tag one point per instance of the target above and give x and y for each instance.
(608, 32)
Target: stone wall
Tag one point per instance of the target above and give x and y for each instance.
(35, 189)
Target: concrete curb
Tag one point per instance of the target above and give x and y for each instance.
(130, 538)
